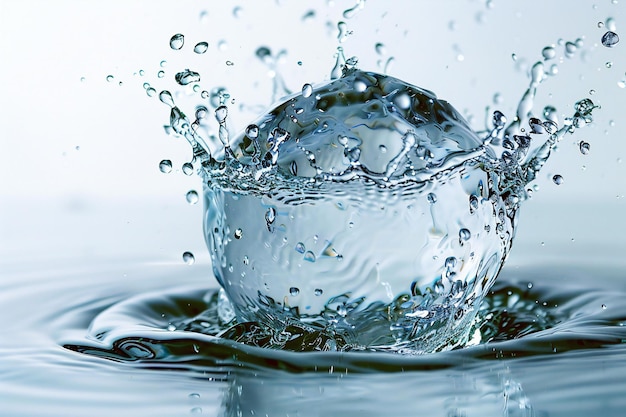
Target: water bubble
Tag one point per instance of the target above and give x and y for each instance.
(610, 39)
(188, 258)
(294, 291)
(177, 41)
(187, 168)
(201, 47)
(464, 235)
(187, 77)
(110, 78)
(166, 97)
(307, 90)
(584, 147)
(192, 197)
(238, 234)
(432, 198)
(557, 179)
(165, 166)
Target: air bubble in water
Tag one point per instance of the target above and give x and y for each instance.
(584, 147)
(187, 168)
(201, 47)
(192, 197)
(187, 77)
(188, 258)
(557, 179)
(177, 41)
(165, 166)
(610, 39)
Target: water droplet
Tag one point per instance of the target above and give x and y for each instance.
(187, 168)
(222, 45)
(177, 41)
(161, 74)
(165, 166)
(187, 77)
(610, 24)
(221, 113)
(609, 64)
(230, 63)
(610, 39)
(192, 197)
(151, 92)
(584, 147)
(294, 291)
(188, 258)
(110, 78)
(318, 292)
(270, 216)
(548, 52)
(570, 49)
(246, 260)
(603, 306)
(351, 12)
(464, 235)
(300, 248)
(307, 90)
(557, 179)
(201, 47)
(309, 256)
(238, 234)
(432, 198)
(252, 131)
(166, 97)
(237, 10)
(171, 327)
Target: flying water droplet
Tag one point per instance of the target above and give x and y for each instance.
(177, 41)
(294, 291)
(238, 233)
(351, 12)
(318, 292)
(610, 39)
(464, 235)
(110, 78)
(584, 147)
(187, 77)
(166, 98)
(548, 52)
(187, 168)
(192, 197)
(432, 198)
(165, 166)
(557, 179)
(307, 90)
(188, 258)
(201, 47)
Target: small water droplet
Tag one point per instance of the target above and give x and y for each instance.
(237, 10)
(221, 113)
(161, 74)
(557, 179)
(192, 197)
(464, 235)
(610, 39)
(603, 306)
(246, 260)
(110, 78)
(432, 198)
(230, 63)
(194, 395)
(171, 327)
(548, 52)
(318, 292)
(201, 47)
(307, 90)
(82, 79)
(177, 41)
(165, 166)
(252, 131)
(608, 64)
(584, 147)
(294, 291)
(309, 256)
(166, 97)
(187, 77)
(187, 168)
(300, 248)
(238, 234)
(188, 258)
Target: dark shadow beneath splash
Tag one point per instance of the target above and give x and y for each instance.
(181, 330)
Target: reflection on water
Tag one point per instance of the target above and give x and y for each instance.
(567, 357)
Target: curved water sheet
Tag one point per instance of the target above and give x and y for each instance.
(535, 323)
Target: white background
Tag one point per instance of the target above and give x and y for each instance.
(79, 176)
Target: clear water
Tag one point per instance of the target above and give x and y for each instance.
(128, 337)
